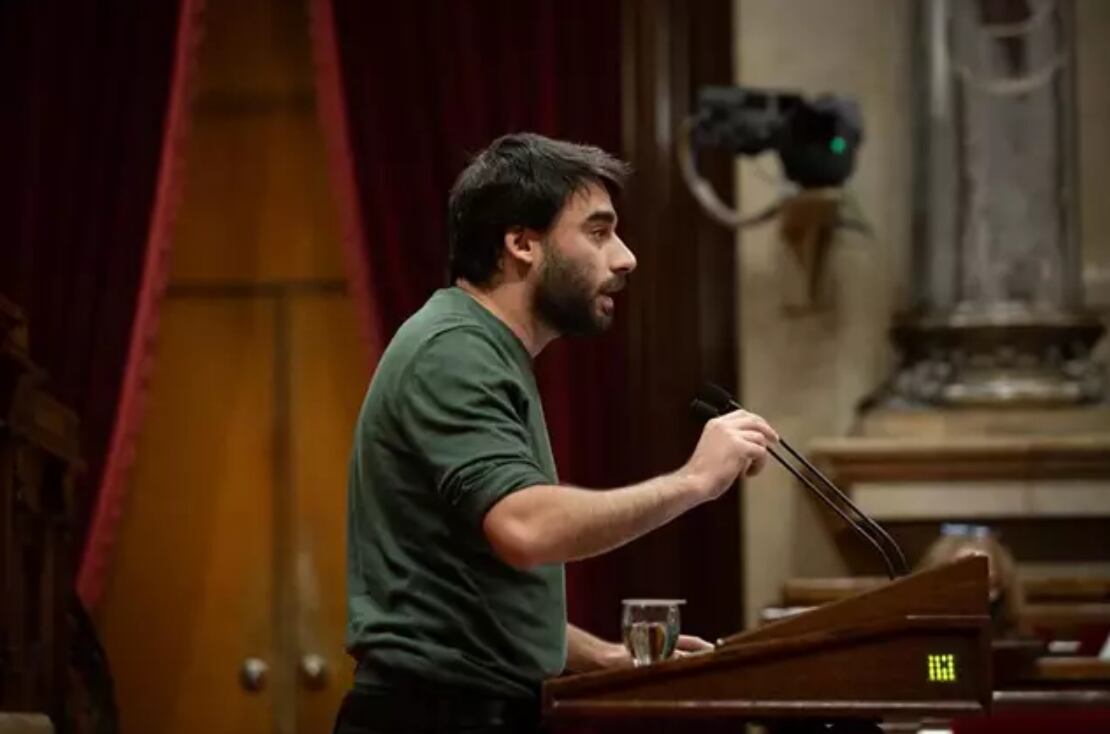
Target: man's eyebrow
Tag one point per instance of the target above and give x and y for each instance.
(604, 216)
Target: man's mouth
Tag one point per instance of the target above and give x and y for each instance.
(612, 288)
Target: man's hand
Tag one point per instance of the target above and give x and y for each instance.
(691, 645)
(617, 656)
(731, 445)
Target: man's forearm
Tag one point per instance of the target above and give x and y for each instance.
(551, 524)
(586, 652)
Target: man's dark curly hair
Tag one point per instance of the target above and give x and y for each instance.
(520, 180)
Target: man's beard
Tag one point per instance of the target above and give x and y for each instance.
(566, 300)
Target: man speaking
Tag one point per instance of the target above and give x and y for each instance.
(458, 527)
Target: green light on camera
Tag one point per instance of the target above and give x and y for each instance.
(838, 145)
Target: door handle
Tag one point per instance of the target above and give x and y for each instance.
(314, 671)
(252, 674)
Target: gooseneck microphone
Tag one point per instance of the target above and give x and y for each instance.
(715, 401)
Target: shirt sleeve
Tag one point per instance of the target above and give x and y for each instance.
(459, 406)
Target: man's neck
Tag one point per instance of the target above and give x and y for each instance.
(511, 303)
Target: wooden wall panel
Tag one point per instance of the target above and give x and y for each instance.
(189, 594)
(257, 197)
(328, 386)
(255, 48)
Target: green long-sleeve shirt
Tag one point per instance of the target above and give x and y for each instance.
(451, 424)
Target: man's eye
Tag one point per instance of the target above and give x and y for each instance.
(599, 234)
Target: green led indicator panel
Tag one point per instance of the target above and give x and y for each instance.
(942, 668)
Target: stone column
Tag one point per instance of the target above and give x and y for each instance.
(997, 316)
(997, 412)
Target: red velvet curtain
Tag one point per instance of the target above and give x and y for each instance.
(408, 91)
(92, 121)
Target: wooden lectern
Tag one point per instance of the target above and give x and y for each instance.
(918, 647)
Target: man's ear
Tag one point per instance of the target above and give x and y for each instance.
(522, 245)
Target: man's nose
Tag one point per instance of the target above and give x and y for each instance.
(623, 260)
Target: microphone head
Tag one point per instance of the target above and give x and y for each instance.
(703, 410)
(718, 396)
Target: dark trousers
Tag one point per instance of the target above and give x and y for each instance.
(405, 706)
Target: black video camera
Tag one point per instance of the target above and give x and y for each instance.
(816, 140)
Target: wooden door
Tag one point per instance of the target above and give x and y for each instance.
(326, 394)
(190, 591)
